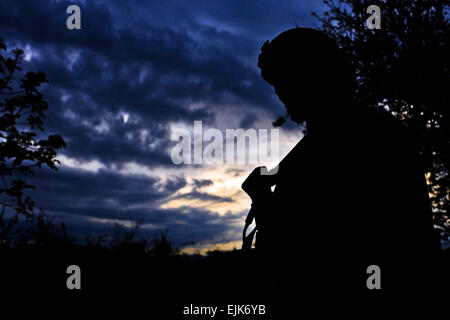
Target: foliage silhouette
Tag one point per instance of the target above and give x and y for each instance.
(22, 111)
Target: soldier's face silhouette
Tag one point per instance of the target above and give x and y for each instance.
(299, 98)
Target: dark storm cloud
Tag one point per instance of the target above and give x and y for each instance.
(83, 190)
(203, 196)
(203, 183)
(77, 197)
(152, 72)
(134, 68)
(174, 183)
(253, 18)
(248, 120)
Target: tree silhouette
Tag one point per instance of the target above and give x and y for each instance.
(22, 148)
(404, 68)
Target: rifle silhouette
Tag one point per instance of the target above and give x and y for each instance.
(261, 179)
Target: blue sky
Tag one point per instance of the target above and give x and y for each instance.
(117, 87)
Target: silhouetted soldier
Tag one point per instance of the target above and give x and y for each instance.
(351, 193)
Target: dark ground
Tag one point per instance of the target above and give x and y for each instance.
(115, 281)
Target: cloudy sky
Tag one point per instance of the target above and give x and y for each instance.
(135, 72)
